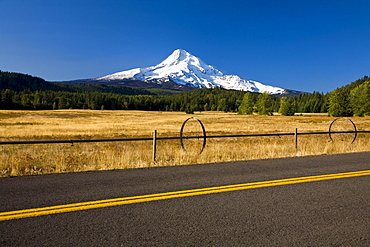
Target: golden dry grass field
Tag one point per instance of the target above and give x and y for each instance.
(16, 160)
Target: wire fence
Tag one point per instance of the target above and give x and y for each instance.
(202, 137)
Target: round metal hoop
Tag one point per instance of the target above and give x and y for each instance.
(354, 126)
(182, 137)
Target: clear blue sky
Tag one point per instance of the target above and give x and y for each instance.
(307, 45)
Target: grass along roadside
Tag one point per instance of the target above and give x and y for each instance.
(17, 160)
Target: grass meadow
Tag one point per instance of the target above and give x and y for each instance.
(18, 160)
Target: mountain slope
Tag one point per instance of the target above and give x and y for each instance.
(19, 82)
(185, 69)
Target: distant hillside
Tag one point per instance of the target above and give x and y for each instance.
(163, 88)
(355, 84)
(352, 99)
(101, 88)
(19, 82)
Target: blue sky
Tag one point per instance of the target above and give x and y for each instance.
(305, 45)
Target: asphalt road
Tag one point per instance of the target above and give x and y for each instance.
(324, 213)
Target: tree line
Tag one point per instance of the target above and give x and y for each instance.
(347, 101)
(198, 100)
(215, 99)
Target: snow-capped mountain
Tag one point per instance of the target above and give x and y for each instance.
(185, 69)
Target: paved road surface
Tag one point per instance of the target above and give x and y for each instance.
(332, 212)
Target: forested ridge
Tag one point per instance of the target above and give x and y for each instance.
(19, 91)
(19, 82)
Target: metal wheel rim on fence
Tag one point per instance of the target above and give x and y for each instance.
(353, 124)
(182, 137)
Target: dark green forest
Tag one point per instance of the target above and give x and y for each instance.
(19, 91)
(20, 82)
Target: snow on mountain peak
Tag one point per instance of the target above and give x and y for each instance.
(176, 57)
(181, 60)
(185, 69)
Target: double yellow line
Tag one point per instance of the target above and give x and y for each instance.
(168, 195)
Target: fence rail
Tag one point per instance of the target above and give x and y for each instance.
(176, 138)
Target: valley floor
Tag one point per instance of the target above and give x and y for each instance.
(18, 160)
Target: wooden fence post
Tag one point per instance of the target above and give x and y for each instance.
(154, 145)
(296, 138)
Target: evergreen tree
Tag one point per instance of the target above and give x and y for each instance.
(287, 107)
(7, 99)
(265, 104)
(62, 104)
(360, 99)
(25, 100)
(222, 105)
(246, 107)
(36, 100)
(339, 103)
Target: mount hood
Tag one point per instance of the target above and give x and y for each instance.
(184, 69)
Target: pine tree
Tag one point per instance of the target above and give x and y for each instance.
(6, 99)
(222, 105)
(36, 100)
(359, 99)
(264, 104)
(62, 104)
(339, 103)
(246, 107)
(287, 107)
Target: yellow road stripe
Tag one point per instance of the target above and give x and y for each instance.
(167, 195)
